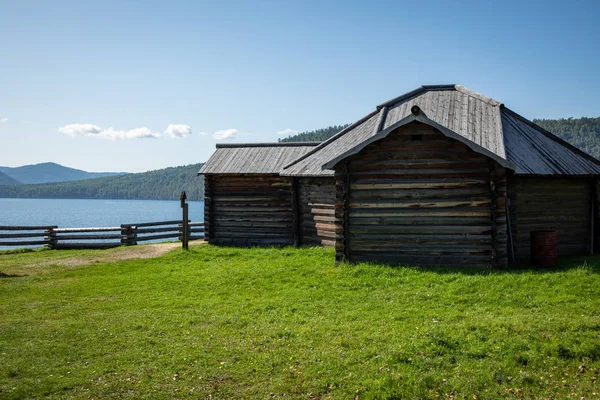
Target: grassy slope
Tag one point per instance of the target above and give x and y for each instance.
(263, 323)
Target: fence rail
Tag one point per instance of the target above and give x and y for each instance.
(102, 237)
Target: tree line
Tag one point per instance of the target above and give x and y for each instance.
(162, 184)
(583, 133)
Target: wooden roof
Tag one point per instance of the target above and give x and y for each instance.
(485, 123)
(254, 158)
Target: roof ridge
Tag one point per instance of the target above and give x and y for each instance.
(419, 90)
(478, 96)
(551, 135)
(333, 138)
(266, 144)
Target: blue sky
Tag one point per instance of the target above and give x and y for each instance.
(140, 85)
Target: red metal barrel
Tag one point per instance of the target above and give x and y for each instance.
(544, 248)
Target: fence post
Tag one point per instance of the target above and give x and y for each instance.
(185, 225)
(50, 235)
(128, 235)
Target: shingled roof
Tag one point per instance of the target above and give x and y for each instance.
(254, 158)
(482, 123)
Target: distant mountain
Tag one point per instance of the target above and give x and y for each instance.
(51, 172)
(162, 184)
(7, 180)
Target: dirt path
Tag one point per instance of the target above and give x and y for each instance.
(127, 253)
(36, 265)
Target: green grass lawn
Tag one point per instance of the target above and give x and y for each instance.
(227, 323)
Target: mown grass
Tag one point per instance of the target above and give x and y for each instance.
(227, 323)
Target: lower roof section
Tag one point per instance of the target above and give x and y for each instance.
(254, 158)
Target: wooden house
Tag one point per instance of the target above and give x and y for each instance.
(439, 176)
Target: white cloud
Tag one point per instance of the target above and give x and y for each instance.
(3, 120)
(91, 130)
(225, 134)
(74, 130)
(287, 132)
(178, 131)
(203, 134)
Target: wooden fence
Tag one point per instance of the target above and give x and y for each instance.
(94, 238)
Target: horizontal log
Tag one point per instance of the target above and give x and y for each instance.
(27, 228)
(244, 204)
(75, 246)
(144, 224)
(310, 218)
(155, 237)
(423, 212)
(423, 248)
(21, 235)
(457, 193)
(83, 230)
(253, 191)
(316, 211)
(422, 229)
(244, 210)
(324, 227)
(420, 238)
(250, 235)
(158, 230)
(253, 224)
(420, 204)
(243, 196)
(416, 221)
(88, 237)
(425, 184)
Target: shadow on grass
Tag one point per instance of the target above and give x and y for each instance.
(588, 263)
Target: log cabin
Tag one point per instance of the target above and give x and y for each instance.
(441, 175)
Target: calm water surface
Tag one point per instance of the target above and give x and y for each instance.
(74, 213)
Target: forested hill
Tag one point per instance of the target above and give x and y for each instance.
(162, 184)
(7, 180)
(318, 135)
(51, 172)
(583, 133)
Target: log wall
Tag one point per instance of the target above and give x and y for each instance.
(557, 204)
(316, 211)
(418, 197)
(248, 210)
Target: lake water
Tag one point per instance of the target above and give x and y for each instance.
(76, 213)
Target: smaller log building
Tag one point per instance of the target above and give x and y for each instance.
(247, 202)
(438, 176)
